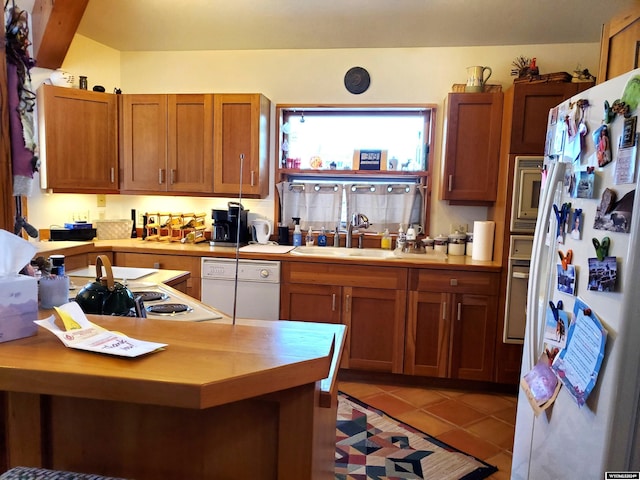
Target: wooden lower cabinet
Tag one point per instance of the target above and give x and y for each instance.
(451, 324)
(371, 301)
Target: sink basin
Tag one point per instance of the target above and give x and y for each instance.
(373, 253)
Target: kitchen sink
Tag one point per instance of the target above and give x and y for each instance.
(372, 253)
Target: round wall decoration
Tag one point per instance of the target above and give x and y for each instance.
(357, 80)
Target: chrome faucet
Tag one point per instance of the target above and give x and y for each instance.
(358, 220)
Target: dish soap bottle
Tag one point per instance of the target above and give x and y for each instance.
(297, 233)
(402, 239)
(385, 243)
(309, 238)
(322, 238)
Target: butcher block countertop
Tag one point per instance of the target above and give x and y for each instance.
(191, 410)
(204, 364)
(204, 249)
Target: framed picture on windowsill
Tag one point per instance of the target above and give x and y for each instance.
(370, 160)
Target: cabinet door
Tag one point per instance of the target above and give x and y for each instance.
(375, 320)
(619, 47)
(144, 143)
(78, 140)
(310, 303)
(428, 335)
(473, 335)
(531, 105)
(474, 123)
(190, 143)
(241, 126)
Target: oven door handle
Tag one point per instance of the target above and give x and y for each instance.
(524, 275)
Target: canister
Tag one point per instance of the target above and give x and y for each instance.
(428, 244)
(469, 244)
(440, 244)
(457, 242)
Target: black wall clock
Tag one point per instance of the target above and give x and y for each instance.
(357, 80)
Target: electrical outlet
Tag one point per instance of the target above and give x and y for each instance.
(101, 200)
(458, 227)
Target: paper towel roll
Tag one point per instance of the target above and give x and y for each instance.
(483, 240)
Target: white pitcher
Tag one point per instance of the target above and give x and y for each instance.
(261, 230)
(476, 78)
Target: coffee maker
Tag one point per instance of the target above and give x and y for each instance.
(230, 226)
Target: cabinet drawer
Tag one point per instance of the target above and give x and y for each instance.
(344, 275)
(452, 281)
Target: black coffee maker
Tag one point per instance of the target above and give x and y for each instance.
(230, 226)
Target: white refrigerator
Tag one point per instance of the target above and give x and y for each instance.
(568, 441)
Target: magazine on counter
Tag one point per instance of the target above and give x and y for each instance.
(82, 334)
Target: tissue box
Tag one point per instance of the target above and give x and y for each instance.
(18, 307)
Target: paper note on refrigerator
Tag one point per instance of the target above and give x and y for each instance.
(578, 365)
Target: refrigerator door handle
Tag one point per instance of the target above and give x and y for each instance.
(533, 326)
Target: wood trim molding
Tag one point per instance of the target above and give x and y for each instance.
(7, 207)
(53, 26)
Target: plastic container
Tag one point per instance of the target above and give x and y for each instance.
(297, 233)
(457, 243)
(440, 244)
(385, 242)
(469, 244)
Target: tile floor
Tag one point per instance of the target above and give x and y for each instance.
(481, 424)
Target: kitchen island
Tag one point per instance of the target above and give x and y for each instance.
(220, 401)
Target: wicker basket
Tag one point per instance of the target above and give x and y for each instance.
(113, 229)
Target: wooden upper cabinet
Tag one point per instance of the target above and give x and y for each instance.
(78, 140)
(472, 143)
(530, 105)
(167, 143)
(143, 142)
(241, 126)
(620, 44)
(190, 143)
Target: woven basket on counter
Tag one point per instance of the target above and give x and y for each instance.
(113, 229)
(558, 77)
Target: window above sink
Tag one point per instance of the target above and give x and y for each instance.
(348, 147)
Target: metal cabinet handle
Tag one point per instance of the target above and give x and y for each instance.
(252, 178)
(113, 175)
(450, 182)
(161, 176)
(459, 311)
(333, 302)
(524, 275)
(348, 306)
(172, 176)
(444, 310)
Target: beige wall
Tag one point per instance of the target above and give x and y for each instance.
(406, 75)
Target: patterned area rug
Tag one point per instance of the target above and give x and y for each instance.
(372, 445)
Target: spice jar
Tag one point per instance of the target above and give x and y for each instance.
(469, 244)
(457, 242)
(440, 244)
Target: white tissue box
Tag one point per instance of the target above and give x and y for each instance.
(18, 307)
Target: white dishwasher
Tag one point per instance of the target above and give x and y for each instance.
(258, 287)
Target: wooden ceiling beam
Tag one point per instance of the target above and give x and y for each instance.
(54, 23)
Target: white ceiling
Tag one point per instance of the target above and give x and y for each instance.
(138, 25)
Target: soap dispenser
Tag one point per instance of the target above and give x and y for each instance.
(402, 239)
(309, 237)
(297, 233)
(322, 238)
